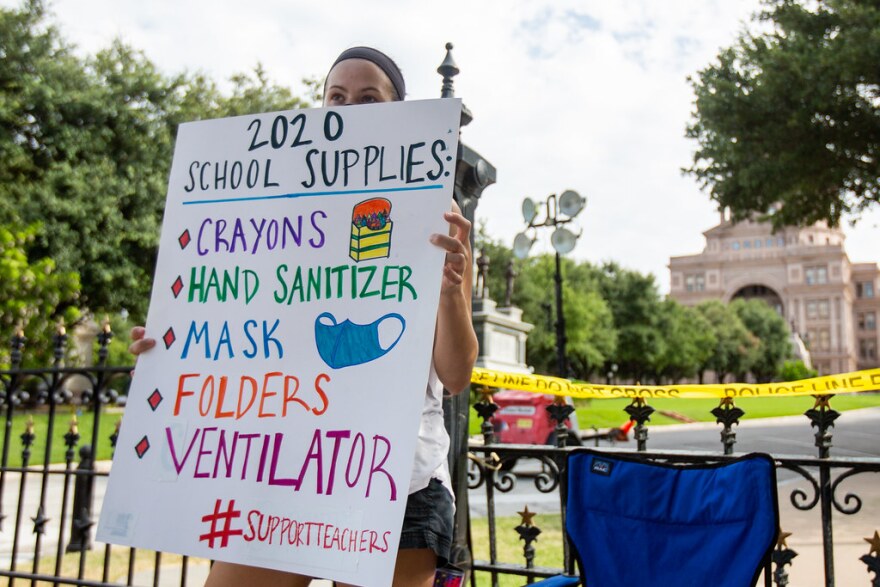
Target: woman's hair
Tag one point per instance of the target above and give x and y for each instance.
(382, 61)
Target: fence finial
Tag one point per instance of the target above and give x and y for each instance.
(58, 341)
(16, 343)
(782, 556)
(448, 69)
(104, 338)
(822, 417)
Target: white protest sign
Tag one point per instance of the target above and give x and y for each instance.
(294, 306)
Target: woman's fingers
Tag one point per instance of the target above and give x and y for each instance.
(450, 244)
(141, 346)
(456, 260)
(454, 277)
(456, 252)
(457, 247)
(461, 223)
(140, 343)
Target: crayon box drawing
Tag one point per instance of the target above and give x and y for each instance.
(371, 230)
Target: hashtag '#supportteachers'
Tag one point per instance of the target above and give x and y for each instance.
(283, 531)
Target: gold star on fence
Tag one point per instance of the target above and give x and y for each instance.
(727, 401)
(527, 516)
(822, 402)
(875, 544)
(780, 540)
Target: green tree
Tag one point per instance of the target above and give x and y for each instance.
(790, 114)
(86, 149)
(34, 296)
(735, 347)
(590, 336)
(589, 325)
(688, 340)
(795, 370)
(772, 334)
(635, 306)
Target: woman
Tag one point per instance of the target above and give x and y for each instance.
(362, 75)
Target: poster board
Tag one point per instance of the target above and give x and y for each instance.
(294, 302)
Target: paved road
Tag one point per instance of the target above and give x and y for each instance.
(856, 434)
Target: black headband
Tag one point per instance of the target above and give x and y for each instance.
(382, 61)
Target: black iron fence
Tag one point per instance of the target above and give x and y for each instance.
(823, 486)
(61, 425)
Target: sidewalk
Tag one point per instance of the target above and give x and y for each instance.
(849, 532)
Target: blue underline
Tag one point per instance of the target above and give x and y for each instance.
(312, 194)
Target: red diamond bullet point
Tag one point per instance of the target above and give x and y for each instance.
(142, 447)
(155, 399)
(169, 338)
(177, 286)
(184, 239)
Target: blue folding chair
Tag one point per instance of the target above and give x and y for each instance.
(632, 521)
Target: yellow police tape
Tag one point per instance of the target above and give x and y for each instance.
(842, 383)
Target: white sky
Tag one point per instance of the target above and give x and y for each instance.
(589, 95)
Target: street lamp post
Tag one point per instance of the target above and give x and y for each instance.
(561, 361)
(557, 213)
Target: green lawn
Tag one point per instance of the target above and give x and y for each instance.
(607, 413)
(62, 426)
(144, 562)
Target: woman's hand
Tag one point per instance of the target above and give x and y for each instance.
(458, 252)
(455, 343)
(139, 342)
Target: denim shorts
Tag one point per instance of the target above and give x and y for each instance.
(427, 522)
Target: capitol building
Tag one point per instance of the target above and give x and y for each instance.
(804, 273)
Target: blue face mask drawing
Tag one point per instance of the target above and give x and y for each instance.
(345, 344)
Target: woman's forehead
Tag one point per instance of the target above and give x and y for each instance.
(356, 70)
